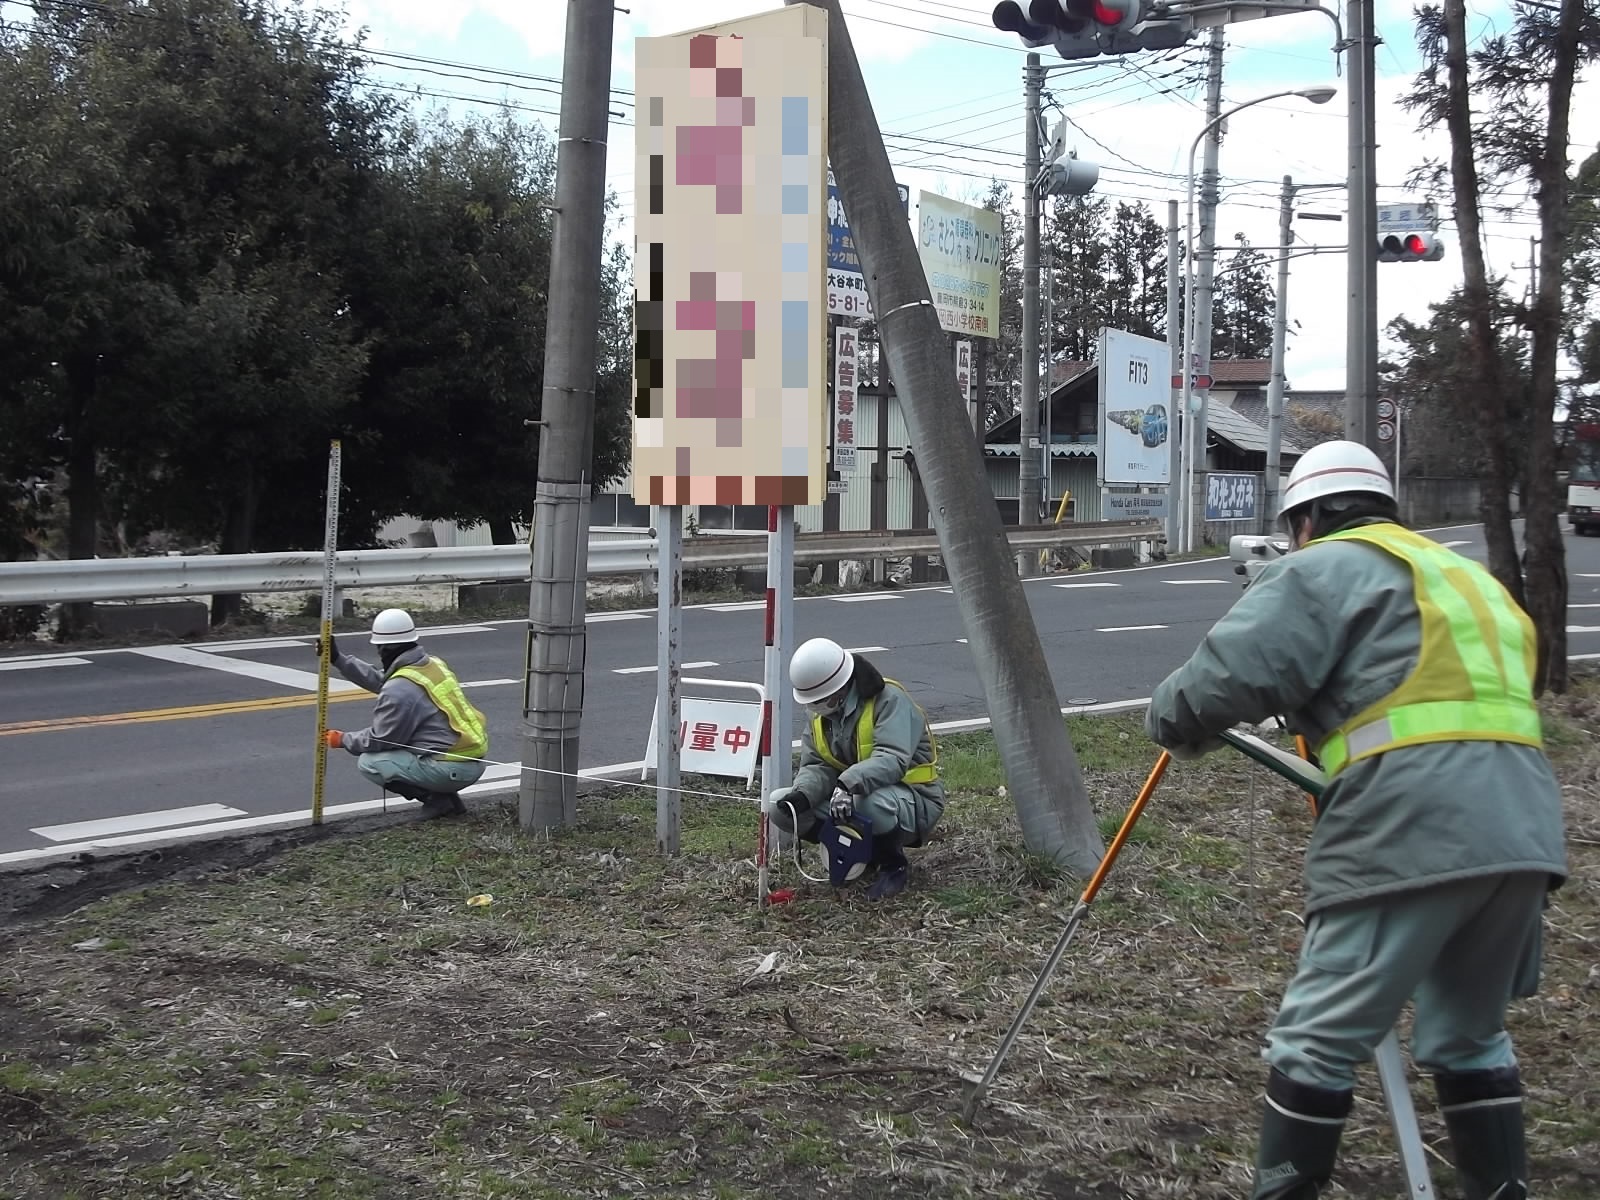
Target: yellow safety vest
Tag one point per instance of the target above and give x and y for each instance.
(926, 772)
(1474, 676)
(444, 689)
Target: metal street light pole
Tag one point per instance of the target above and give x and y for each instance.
(1317, 95)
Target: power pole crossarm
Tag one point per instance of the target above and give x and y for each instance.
(556, 644)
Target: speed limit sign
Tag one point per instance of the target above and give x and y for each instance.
(1386, 431)
(1386, 410)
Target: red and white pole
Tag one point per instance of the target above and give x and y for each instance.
(772, 677)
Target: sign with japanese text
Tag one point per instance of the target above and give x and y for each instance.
(715, 737)
(964, 370)
(847, 283)
(1135, 394)
(1230, 497)
(1134, 506)
(961, 248)
(844, 400)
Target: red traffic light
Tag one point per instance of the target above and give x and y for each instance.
(1098, 11)
(1416, 244)
(1105, 14)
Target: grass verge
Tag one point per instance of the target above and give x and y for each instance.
(337, 1021)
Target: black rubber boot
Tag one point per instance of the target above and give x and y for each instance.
(1483, 1115)
(407, 791)
(1300, 1129)
(443, 804)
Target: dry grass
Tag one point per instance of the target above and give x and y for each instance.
(336, 1021)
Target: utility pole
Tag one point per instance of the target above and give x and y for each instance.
(1280, 334)
(1029, 497)
(1180, 422)
(1361, 337)
(1041, 768)
(552, 706)
(1205, 262)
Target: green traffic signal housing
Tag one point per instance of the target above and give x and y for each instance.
(1415, 246)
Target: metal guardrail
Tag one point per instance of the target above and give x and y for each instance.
(74, 580)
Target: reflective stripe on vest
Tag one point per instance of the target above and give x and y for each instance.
(926, 772)
(444, 689)
(1474, 675)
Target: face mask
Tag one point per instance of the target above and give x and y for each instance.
(826, 708)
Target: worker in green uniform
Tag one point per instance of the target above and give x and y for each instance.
(868, 783)
(1410, 670)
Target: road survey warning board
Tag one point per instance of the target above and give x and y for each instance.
(715, 737)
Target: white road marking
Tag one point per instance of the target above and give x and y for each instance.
(1589, 574)
(1452, 545)
(1583, 606)
(1582, 657)
(1127, 628)
(868, 649)
(258, 644)
(861, 599)
(746, 606)
(691, 666)
(1186, 582)
(602, 618)
(1583, 628)
(1084, 585)
(961, 641)
(33, 664)
(447, 630)
(475, 683)
(162, 819)
(305, 681)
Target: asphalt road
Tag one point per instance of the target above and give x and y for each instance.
(118, 743)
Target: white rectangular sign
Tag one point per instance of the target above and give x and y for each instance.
(715, 737)
(844, 400)
(961, 248)
(1135, 398)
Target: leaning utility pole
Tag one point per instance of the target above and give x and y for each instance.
(552, 705)
(1041, 769)
(1030, 497)
(1361, 334)
(1280, 335)
(1205, 262)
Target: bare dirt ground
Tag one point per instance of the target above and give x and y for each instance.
(326, 1015)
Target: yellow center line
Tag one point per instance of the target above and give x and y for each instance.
(186, 712)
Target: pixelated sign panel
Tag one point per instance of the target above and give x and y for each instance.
(731, 234)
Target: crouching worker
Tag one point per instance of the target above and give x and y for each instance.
(868, 785)
(424, 734)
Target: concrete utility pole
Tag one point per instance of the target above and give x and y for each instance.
(1280, 335)
(1041, 768)
(553, 683)
(1361, 336)
(1029, 483)
(1205, 263)
(1180, 421)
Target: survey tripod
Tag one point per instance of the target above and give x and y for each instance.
(1387, 1059)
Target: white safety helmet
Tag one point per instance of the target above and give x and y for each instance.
(1335, 469)
(820, 668)
(393, 626)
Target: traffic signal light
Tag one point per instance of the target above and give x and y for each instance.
(1418, 246)
(1088, 28)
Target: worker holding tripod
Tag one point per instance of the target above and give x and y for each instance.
(1410, 669)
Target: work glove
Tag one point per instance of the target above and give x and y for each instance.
(334, 738)
(842, 805)
(1197, 750)
(333, 648)
(784, 796)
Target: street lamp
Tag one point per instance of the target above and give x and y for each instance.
(1316, 95)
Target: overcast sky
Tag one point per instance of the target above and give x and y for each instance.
(947, 88)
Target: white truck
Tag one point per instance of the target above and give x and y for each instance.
(1583, 482)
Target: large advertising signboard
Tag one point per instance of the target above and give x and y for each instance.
(1135, 404)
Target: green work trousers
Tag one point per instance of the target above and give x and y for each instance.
(1460, 950)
